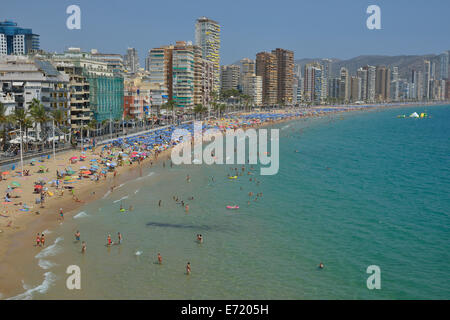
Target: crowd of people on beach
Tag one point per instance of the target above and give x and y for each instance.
(147, 147)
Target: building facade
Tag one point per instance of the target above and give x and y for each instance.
(207, 37)
(16, 40)
(266, 68)
(285, 75)
(230, 77)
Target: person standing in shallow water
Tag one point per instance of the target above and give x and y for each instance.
(159, 258)
(188, 268)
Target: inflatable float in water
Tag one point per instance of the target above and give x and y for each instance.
(232, 207)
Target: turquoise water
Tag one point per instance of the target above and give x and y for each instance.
(365, 189)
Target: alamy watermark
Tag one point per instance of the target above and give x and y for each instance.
(74, 20)
(374, 20)
(213, 153)
(374, 280)
(74, 280)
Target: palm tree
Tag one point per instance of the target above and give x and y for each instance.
(199, 109)
(39, 115)
(92, 125)
(5, 121)
(247, 100)
(170, 105)
(59, 117)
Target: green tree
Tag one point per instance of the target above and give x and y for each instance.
(39, 116)
(59, 117)
(5, 121)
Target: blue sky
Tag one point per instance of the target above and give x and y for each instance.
(312, 28)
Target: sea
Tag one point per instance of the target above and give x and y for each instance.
(354, 190)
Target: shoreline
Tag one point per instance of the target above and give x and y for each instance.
(15, 249)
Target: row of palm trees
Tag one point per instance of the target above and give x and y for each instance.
(27, 119)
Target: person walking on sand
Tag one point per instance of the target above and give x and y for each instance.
(61, 214)
(42, 240)
(38, 240)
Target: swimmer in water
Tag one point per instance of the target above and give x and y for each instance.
(186, 208)
(188, 268)
(83, 247)
(159, 203)
(200, 238)
(159, 258)
(77, 235)
(321, 266)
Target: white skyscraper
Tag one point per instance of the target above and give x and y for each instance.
(207, 37)
(131, 60)
(444, 61)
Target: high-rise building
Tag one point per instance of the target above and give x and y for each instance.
(203, 78)
(326, 74)
(313, 83)
(362, 74)
(80, 110)
(344, 87)
(333, 88)
(266, 68)
(371, 83)
(16, 40)
(230, 77)
(159, 65)
(131, 60)
(355, 89)
(383, 83)
(183, 63)
(395, 84)
(427, 79)
(416, 86)
(444, 61)
(248, 66)
(253, 87)
(207, 37)
(285, 75)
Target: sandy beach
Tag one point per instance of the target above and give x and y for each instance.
(22, 218)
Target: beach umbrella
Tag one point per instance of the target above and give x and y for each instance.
(83, 167)
(5, 172)
(38, 186)
(86, 172)
(41, 167)
(83, 157)
(74, 158)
